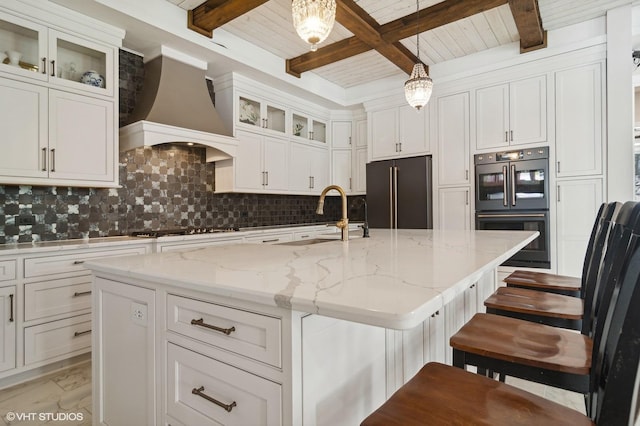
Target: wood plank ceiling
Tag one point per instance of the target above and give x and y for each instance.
(374, 39)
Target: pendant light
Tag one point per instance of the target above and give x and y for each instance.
(313, 19)
(418, 88)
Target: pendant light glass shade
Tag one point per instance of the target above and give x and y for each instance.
(313, 19)
(418, 88)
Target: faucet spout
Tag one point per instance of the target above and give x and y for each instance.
(343, 223)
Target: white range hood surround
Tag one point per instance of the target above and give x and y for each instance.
(147, 133)
(175, 107)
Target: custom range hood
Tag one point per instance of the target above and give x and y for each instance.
(175, 107)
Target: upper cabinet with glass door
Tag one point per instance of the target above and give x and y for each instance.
(308, 128)
(34, 51)
(255, 112)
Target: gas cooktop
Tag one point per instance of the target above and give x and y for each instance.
(181, 231)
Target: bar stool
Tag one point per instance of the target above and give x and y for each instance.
(560, 284)
(556, 309)
(444, 395)
(545, 354)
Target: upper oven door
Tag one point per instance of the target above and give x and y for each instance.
(492, 186)
(529, 184)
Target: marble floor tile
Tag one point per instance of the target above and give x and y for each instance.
(59, 398)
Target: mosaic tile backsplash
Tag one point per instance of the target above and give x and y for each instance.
(164, 187)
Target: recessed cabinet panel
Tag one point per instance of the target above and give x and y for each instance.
(454, 210)
(8, 306)
(77, 150)
(492, 117)
(453, 139)
(341, 134)
(579, 119)
(23, 119)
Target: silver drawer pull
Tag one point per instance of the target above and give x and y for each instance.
(273, 240)
(201, 323)
(227, 407)
(78, 262)
(81, 293)
(81, 333)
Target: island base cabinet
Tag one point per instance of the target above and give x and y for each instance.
(124, 355)
(204, 391)
(343, 373)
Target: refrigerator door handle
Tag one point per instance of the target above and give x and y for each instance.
(513, 184)
(504, 186)
(395, 197)
(391, 197)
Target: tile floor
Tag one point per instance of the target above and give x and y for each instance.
(61, 398)
(68, 392)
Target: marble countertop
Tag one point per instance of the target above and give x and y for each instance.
(395, 279)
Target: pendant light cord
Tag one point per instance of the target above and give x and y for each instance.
(418, 28)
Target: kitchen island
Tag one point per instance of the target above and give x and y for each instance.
(296, 333)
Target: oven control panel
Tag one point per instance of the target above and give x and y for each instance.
(505, 156)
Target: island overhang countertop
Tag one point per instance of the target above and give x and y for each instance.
(395, 279)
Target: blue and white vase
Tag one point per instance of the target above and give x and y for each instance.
(92, 78)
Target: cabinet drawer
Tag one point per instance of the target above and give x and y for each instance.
(250, 400)
(7, 270)
(55, 297)
(72, 262)
(270, 238)
(255, 336)
(57, 338)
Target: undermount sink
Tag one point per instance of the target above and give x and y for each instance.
(307, 242)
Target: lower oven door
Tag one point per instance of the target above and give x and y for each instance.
(534, 255)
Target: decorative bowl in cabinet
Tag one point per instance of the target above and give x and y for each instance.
(92, 78)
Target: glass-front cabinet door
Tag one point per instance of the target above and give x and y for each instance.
(75, 61)
(258, 113)
(23, 47)
(308, 128)
(32, 50)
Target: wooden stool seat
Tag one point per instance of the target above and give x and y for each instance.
(544, 281)
(535, 302)
(524, 343)
(444, 395)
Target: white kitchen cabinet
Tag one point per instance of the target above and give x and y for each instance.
(340, 359)
(341, 164)
(81, 138)
(576, 205)
(59, 130)
(125, 387)
(204, 391)
(56, 136)
(453, 139)
(399, 132)
(54, 56)
(435, 342)
(360, 174)
(8, 306)
(341, 134)
(361, 134)
(514, 113)
(261, 165)
(253, 112)
(579, 102)
(304, 126)
(308, 168)
(454, 209)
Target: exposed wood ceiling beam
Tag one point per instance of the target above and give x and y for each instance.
(526, 13)
(214, 13)
(364, 27)
(431, 17)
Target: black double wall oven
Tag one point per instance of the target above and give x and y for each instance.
(512, 193)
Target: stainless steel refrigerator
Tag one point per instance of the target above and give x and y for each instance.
(399, 193)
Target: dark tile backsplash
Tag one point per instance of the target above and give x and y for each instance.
(162, 187)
